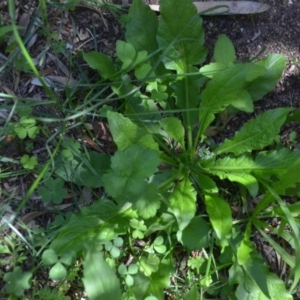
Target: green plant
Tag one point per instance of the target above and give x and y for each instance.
(167, 173)
(17, 281)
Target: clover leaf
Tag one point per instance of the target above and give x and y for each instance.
(28, 162)
(127, 272)
(149, 265)
(159, 246)
(17, 281)
(53, 190)
(113, 247)
(139, 228)
(26, 126)
(58, 271)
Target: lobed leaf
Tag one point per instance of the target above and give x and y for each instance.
(129, 170)
(125, 133)
(237, 170)
(256, 133)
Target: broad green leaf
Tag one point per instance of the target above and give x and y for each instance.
(237, 170)
(246, 247)
(99, 279)
(257, 282)
(49, 257)
(125, 133)
(129, 170)
(145, 286)
(242, 101)
(219, 93)
(173, 127)
(251, 292)
(101, 62)
(211, 69)
(254, 71)
(196, 234)
(257, 272)
(126, 54)
(206, 183)
(193, 293)
(58, 272)
(100, 222)
(142, 27)
(256, 133)
(180, 35)
(219, 213)
(142, 71)
(224, 51)
(274, 64)
(276, 162)
(183, 203)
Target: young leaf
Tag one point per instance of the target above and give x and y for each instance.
(224, 51)
(220, 216)
(101, 62)
(183, 203)
(196, 234)
(243, 101)
(180, 34)
(219, 93)
(125, 133)
(174, 129)
(99, 280)
(126, 54)
(256, 133)
(274, 64)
